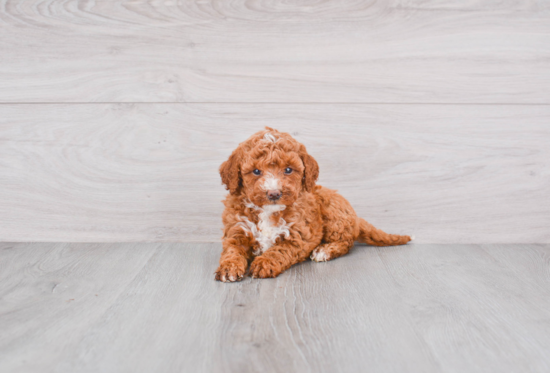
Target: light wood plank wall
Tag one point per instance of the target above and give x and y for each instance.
(432, 118)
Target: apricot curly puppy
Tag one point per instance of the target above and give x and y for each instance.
(275, 216)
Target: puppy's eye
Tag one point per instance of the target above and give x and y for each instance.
(288, 170)
(257, 172)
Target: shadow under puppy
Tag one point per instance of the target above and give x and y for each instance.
(275, 216)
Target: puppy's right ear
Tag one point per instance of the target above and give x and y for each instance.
(230, 171)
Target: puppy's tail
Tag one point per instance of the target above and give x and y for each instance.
(376, 237)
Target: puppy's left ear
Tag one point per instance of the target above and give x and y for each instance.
(311, 172)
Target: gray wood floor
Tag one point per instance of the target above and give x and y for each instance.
(155, 307)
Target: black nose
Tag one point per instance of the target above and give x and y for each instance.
(274, 194)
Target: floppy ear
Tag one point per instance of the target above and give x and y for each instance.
(311, 172)
(230, 171)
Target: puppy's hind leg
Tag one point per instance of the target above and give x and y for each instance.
(327, 251)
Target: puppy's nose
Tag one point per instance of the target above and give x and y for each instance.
(274, 195)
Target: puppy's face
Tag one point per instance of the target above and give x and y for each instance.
(272, 176)
(270, 168)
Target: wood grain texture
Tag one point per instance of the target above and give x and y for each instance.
(414, 308)
(269, 51)
(124, 172)
(51, 294)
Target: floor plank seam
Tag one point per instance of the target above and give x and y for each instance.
(279, 103)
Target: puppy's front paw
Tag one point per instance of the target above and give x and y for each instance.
(230, 272)
(263, 267)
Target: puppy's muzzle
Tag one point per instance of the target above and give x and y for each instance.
(274, 195)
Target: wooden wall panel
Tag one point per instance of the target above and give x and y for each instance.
(366, 51)
(432, 118)
(148, 172)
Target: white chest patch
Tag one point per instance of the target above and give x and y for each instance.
(265, 232)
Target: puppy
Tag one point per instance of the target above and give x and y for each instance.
(275, 216)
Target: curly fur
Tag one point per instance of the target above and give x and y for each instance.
(307, 221)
